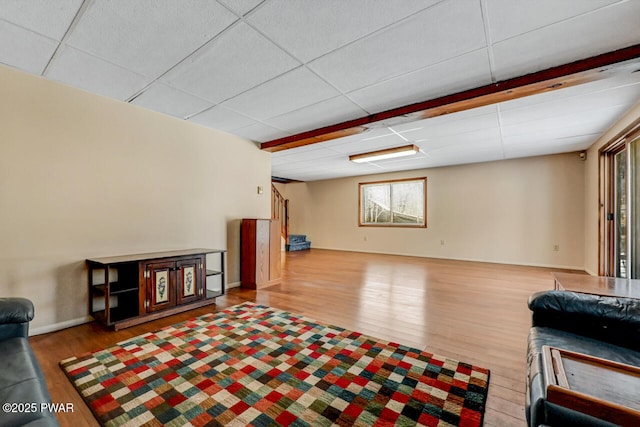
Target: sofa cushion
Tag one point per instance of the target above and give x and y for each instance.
(22, 381)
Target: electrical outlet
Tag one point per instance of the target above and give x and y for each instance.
(442, 242)
(365, 238)
(556, 248)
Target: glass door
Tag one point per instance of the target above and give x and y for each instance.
(620, 215)
(633, 232)
(622, 210)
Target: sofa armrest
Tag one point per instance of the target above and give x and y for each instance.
(611, 319)
(15, 315)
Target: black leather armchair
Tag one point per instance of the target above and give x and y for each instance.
(23, 389)
(601, 326)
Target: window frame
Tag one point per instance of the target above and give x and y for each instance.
(362, 185)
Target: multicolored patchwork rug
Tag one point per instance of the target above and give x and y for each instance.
(252, 365)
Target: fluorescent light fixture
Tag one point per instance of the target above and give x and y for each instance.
(389, 153)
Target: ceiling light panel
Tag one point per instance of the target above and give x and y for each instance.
(616, 28)
(394, 50)
(296, 89)
(296, 25)
(24, 49)
(385, 154)
(92, 74)
(167, 100)
(148, 36)
(238, 60)
(426, 83)
(46, 17)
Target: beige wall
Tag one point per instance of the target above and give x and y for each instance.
(85, 176)
(511, 211)
(592, 199)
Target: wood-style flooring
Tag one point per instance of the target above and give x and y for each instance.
(470, 311)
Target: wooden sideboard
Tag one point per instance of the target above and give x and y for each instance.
(130, 289)
(260, 254)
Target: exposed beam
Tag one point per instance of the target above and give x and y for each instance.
(575, 73)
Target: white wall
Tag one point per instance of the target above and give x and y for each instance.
(84, 176)
(511, 211)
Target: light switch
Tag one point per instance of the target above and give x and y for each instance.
(260, 189)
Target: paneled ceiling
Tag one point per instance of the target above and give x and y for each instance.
(265, 70)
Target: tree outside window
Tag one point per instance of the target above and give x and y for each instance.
(398, 203)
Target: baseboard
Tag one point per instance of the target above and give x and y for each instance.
(525, 264)
(59, 326)
(233, 285)
(591, 273)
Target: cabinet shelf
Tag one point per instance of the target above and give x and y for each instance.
(128, 290)
(115, 288)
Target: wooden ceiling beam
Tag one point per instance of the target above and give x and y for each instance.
(575, 73)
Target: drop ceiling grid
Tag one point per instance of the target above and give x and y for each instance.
(48, 18)
(168, 33)
(24, 49)
(234, 65)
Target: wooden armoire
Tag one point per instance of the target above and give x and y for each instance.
(260, 253)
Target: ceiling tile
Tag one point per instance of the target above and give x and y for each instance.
(294, 90)
(509, 18)
(451, 76)
(324, 113)
(92, 74)
(577, 123)
(240, 7)
(303, 154)
(308, 31)
(366, 144)
(148, 36)
(46, 17)
(236, 61)
(481, 136)
(221, 118)
(601, 31)
(444, 31)
(552, 137)
(260, 132)
(572, 93)
(167, 100)
(427, 130)
(599, 108)
(567, 145)
(24, 49)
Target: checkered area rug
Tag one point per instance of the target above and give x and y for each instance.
(252, 365)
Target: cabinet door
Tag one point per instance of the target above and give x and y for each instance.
(161, 291)
(262, 251)
(190, 281)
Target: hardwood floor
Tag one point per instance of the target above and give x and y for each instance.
(474, 312)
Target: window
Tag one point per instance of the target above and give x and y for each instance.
(399, 203)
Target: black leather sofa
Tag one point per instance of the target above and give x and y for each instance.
(23, 389)
(601, 326)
